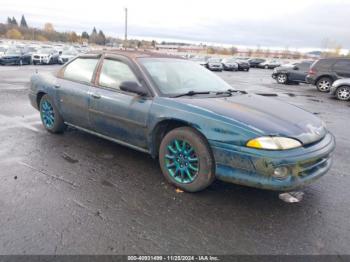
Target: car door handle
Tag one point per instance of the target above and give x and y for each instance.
(95, 95)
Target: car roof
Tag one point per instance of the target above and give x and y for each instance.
(134, 54)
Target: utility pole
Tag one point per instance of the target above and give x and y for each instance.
(126, 28)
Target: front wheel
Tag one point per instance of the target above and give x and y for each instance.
(50, 117)
(343, 93)
(282, 79)
(186, 159)
(324, 84)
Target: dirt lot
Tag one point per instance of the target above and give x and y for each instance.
(79, 194)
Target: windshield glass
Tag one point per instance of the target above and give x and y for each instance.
(214, 60)
(45, 51)
(13, 52)
(177, 76)
(69, 52)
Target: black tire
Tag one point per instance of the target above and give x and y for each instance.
(324, 84)
(205, 173)
(343, 93)
(58, 125)
(20, 62)
(282, 78)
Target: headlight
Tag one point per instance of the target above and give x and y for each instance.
(273, 143)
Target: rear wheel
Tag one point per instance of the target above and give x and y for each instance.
(324, 84)
(343, 93)
(50, 117)
(282, 79)
(186, 159)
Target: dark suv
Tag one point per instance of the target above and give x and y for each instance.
(292, 73)
(324, 72)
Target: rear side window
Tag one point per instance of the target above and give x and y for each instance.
(114, 72)
(342, 66)
(81, 69)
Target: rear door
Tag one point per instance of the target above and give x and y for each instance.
(302, 69)
(342, 68)
(72, 90)
(117, 114)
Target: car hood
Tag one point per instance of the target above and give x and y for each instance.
(11, 56)
(266, 116)
(342, 81)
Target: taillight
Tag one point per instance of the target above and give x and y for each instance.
(312, 71)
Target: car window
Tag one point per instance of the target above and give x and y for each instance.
(81, 69)
(176, 76)
(342, 66)
(114, 72)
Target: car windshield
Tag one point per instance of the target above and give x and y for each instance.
(13, 52)
(177, 76)
(214, 60)
(69, 52)
(228, 60)
(45, 51)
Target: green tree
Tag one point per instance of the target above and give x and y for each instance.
(9, 21)
(14, 21)
(101, 38)
(23, 22)
(85, 35)
(93, 36)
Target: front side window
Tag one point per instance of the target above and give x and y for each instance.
(176, 76)
(114, 72)
(81, 69)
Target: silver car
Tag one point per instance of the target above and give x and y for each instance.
(341, 89)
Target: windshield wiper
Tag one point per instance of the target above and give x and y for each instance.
(230, 91)
(192, 93)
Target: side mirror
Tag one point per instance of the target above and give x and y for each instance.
(296, 68)
(133, 87)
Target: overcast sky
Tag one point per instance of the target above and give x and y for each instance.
(267, 23)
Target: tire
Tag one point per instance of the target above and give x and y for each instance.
(186, 159)
(324, 84)
(266, 67)
(343, 93)
(282, 78)
(20, 62)
(50, 117)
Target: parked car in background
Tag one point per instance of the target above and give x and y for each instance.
(243, 65)
(255, 62)
(325, 71)
(270, 64)
(292, 73)
(67, 55)
(192, 121)
(229, 64)
(341, 89)
(214, 64)
(46, 56)
(15, 56)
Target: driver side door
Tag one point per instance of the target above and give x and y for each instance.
(117, 114)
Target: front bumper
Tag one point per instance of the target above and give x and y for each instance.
(333, 90)
(40, 60)
(253, 167)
